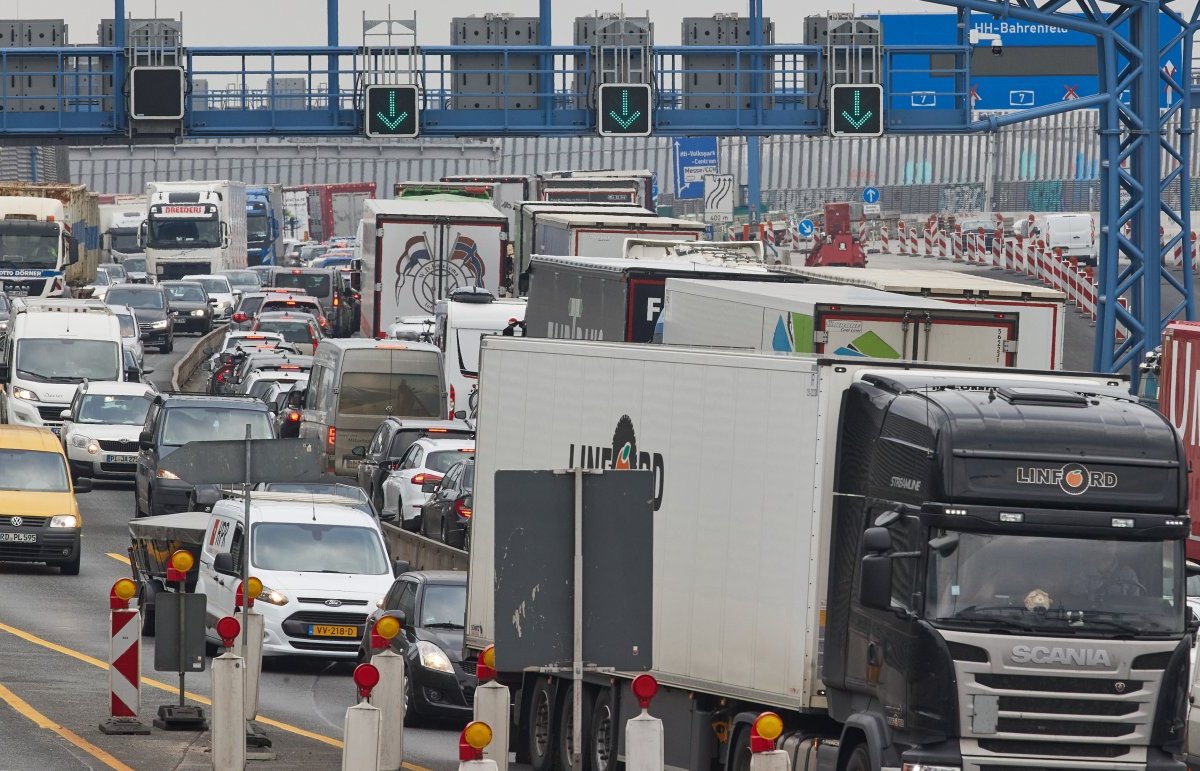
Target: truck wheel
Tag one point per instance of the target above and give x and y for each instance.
(739, 753)
(563, 744)
(860, 759)
(602, 750)
(146, 606)
(541, 725)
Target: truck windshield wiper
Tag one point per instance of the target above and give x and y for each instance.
(444, 625)
(999, 623)
(33, 376)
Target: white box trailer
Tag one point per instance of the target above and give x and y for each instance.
(765, 522)
(1041, 308)
(416, 252)
(835, 321)
(603, 235)
(529, 213)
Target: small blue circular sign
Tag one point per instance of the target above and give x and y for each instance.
(871, 195)
(805, 227)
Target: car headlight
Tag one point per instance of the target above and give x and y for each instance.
(159, 324)
(432, 657)
(197, 313)
(25, 393)
(272, 597)
(162, 473)
(64, 520)
(80, 441)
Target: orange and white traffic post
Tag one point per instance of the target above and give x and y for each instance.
(644, 747)
(363, 725)
(124, 662)
(766, 728)
(491, 707)
(389, 694)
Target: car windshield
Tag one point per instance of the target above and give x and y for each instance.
(56, 360)
(116, 271)
(102, 278)
(1055, 585)
(135, 298)
(3, 302)
(308, 547)
(135, 264)
(274, 306)
(442, 461)
(250, 305)
(260, 387)
(380, 393)
(113, 409)
(320, 488)
(243, 279)
(211, 424)
(292, 331)
(186, 293)
(33, 471)
(315, 284)
(444, 605)
(214, 285)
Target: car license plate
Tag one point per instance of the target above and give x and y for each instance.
(120, 459)
(325, 630)
(351, 462)
(56, 430)
(18, 537)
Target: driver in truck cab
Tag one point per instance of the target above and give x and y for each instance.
(1108, 575)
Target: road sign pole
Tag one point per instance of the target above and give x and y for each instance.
(754, 177)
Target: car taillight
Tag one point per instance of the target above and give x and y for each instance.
(239, 317)
(220, 377)
(293, 416)
(463, 510)
(336, 301)
(423, 478)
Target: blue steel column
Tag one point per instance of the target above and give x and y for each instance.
(1146, 167)
(1108, 257)
(546, 62)
(753, 143)
(331, 40)
(119, 63)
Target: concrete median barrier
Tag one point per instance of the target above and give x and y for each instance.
(422, 553)
(191, 361)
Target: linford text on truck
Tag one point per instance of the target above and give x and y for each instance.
(53, 345)
(49, 236)
(415, 253)
(194, 228)
(264, 233)
(925, 567)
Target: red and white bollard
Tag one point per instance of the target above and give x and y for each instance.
(228, 702)
(766, 729)
(644, 746)
(389, 696)
(471, 744)
(913, 237)
(885, 242)
(492, 707)
(363, 725)
(956, 241)
(124, 662)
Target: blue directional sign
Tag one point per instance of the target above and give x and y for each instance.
(694, 157)
(871, 195)
(806, 228)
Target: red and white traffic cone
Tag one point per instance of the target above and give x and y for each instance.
(124, 662)
(885, 242)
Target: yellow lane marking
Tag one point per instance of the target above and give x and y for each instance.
(41, 721)
(332, 742)
(118, 557)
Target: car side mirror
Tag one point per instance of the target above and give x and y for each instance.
(460, 414)
(148, 372)
(132, 375)
(212, 301)
(359, 452)
(430, 487)
(400, 567)
(83, 485)
(146, 440)
(223, 564)
(64, 415)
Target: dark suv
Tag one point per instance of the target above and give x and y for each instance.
(151, 308)
(176, 419)
(391, 440)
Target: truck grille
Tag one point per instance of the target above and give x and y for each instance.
(51, 413)
(1069, 749)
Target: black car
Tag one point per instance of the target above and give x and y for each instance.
(391, 440)
(152, 309)
(434, 604)
(190, 305)
(447, 514)
(5, 313)
(176, 419)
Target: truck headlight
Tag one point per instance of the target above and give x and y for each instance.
(272, 597)
(25, 393)
(64, 520)
(159, 324)
(432, 657)
(197, 313)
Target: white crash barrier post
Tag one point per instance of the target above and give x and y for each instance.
(492, 702)
(228, 703)
(363, 725)
(763, 756)
(389, 697)
(252, 628)
(644, 747)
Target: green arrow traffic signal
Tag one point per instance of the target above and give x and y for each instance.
(856, 109)
(392, 120)
(391, 111)
(626, 118)
(623, 109)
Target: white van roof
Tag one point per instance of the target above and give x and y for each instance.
(298, 507)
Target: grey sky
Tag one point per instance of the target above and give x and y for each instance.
(302, 22)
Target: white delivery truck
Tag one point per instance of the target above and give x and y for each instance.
(194, 227)
(1074, 234)
(1041, 308)
(53, 345)
(901, 562)
(415, 253)
(835, 321)
(49, 239)
(530, 212)
(121, 218)
(603, 235)
(710, 252)
(460, 322)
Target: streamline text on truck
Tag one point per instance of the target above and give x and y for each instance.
(194, 227)
(415, 253)
(49, 239)
(969, 569)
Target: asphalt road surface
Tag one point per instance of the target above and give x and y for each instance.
(54, 689)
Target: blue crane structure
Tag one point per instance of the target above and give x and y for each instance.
(780, 89)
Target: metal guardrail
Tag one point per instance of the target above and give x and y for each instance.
(191, 361)
(422, 553)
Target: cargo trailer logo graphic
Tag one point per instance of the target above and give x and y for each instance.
(621, 455)
(868, 344)
(1072, 479)
(428, 280)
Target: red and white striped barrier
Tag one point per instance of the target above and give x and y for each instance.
(885, 243)
(930, 235)
(913, 237)
(124, 662)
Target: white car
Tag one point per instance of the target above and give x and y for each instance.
(219, 289)
(131, 338)
(100, 428)
(322, 562)
(427, 460)
(418, 328)
(259, 381)
(100, 285)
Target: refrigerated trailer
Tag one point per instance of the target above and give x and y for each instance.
(334, 210)
(835, 320)
(603, 235)
(903, 562)
(1041, 308)
(529, 214)
(611, 185)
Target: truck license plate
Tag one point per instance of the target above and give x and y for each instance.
(325, 630)
(18, 537)
(120, 459)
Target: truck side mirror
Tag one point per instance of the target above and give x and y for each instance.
(223, 564)
(224, 235)
(399, 568)
(875, 584)
(877, 540)
(72, 250)
(142, 233)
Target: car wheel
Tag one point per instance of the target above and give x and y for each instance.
(411, 716)
(564, 744)
(541, 725)
(71, 568)
(602, 749)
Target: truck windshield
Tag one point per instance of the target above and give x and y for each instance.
(28, 245)
(256, 228)
(124, 240)
(1055, 585)
(50, 360)
(308, 547)
(173, 232)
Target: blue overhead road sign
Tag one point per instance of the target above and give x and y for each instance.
(871, 195)
(694, 157)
